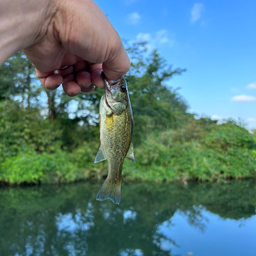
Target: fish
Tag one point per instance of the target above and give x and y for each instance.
(116, 126)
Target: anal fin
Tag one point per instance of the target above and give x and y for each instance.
(100, 156)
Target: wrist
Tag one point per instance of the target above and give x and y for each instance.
(21, 24)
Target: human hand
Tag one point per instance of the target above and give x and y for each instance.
(76, 34)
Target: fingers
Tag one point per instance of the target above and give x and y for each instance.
(96, 70)
(65, 77)
(83, 77)
(79, 33)
(80, 77)
(53, 81)
(70, 87)
(88, 76)
(49, 80)
(92, 37)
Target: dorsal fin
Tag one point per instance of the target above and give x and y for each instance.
(130, 153)
(129, 103)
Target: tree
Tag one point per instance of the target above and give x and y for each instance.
(18, 80)
(155, 105)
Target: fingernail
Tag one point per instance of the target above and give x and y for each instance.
(72, 94)
(86, 85)
(88, 89)
(53, 87)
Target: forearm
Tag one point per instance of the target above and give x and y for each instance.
(21, 23)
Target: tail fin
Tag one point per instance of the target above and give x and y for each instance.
(110, 191)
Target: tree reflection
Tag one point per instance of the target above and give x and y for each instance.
(67, 220)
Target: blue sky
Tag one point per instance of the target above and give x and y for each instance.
(214, 40)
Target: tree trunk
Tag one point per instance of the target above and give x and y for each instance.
(28, 84)
(51, 104)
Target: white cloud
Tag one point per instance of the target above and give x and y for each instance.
(133, 18)
(251, 86)
(215, 117)
(162, 36)
(196, 12)
(159, 37)
(143, 37)
(243, 98)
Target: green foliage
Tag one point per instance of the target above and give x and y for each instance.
(27, 167)
(230, 135)
(170, 143)
(17, 79)
(25, 127)
(210, 152)
(155, 106)
(31, 167)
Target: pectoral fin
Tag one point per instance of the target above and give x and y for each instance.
(130, 154)
(100, 156)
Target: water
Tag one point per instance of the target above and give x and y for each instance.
(152, 219)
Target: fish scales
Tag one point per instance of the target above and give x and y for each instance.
(112, 138)
(116, 125)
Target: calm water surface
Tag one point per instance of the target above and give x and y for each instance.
(152, 219)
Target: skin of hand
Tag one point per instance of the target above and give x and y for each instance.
(74, 34)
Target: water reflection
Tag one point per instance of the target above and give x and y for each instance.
(152, 219)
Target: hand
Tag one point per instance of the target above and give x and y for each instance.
(77, 35)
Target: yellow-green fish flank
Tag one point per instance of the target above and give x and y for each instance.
(116, 124)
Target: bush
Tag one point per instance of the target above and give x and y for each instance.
(216, 153)
(31, 167)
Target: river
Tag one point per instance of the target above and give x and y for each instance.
(152, 219)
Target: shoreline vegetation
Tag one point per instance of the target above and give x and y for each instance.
(48, 137)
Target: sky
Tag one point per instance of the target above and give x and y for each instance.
(214, 40)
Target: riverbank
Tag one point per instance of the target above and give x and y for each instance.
(195, 152)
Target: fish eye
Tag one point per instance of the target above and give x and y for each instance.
(123, 89)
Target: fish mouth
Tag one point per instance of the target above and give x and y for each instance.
(111, 83)
(107, 103)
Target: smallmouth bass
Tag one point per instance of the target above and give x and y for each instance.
(116, 125)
